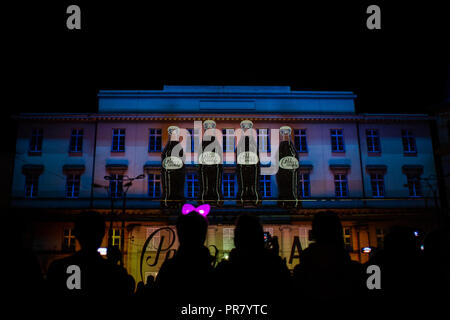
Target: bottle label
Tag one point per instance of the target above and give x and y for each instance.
(289, 163)
(247, 158)
(172, 163)
(209, 158)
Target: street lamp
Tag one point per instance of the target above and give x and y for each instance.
(125, 187)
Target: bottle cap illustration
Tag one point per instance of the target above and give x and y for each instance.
(209, 124)
(285, 130)
(173, 130)
(246, 124)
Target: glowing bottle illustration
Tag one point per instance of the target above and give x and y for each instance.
(248, 167)
(173, 171)
(287, 175)
(210, 166)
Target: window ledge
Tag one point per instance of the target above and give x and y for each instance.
(34, 153)
(75, 153)
(410, 154)
(374, 154)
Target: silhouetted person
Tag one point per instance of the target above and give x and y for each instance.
(326, 273)
(150, 281)
(402, 268)
(114, 256)
(437, 265)
(146, 290)
(99, 277)
(186, 276)
(140, 289)
(24, 277)
(253, 273)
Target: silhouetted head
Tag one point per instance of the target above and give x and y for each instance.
(327, 229)
(249, 233)
(150, 279)
(89, 230)
(114, 255)
(191, 229)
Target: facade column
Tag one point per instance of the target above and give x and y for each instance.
(363, 238)
(286, 241)
(211, 236)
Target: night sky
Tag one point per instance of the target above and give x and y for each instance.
(322, 46)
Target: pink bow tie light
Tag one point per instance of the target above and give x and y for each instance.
(202, 209)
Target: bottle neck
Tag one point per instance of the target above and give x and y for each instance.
(285, 137)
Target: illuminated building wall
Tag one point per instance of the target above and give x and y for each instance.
(62, 159)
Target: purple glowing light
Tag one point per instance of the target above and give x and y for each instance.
(202, 209)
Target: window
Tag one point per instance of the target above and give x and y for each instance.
(116, 185)
(265, 186)
(76, 140)
(305, 236)
(193, 186)
(263, 140)
(304, 185)
(373, 141)
(348, 242)
(337, 140)
(115, 236)
(68, 240)
(118, 140)
(228, 185)
(154, 242)
(409, 142)
(154, 140)
(73, 186)
(340, 185)
(300, 140)
(195, 139)
(380, 232)
(414, 186)
(31, 184)
(377, 183)
(228, 239)
(228, 140)
(36, 140)
(154, 185)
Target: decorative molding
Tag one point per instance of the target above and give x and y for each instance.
(61, 117)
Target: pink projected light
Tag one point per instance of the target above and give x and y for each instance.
(202, 210)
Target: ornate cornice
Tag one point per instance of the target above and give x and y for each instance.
(63, 117)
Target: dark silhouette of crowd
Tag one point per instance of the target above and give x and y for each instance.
(254, 273)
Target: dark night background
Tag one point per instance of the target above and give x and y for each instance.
(129, 45)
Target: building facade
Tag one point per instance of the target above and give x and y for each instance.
(369, 168)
